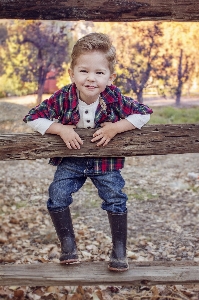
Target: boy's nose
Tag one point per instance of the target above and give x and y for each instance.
(91, 77)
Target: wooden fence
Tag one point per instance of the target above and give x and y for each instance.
(156, 140)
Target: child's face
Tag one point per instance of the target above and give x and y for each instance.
(91, 75)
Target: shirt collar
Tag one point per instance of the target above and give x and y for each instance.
(72, 96)
(108, 95)
(82, 103)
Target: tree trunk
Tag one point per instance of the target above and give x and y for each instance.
(178, 94)
(40, 92)
(140, 96)
(41, 79)
(180, 83)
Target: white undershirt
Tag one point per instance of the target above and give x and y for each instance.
(87, 116)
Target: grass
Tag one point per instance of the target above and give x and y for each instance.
(140, 194)
(21, 204)
(173, 115)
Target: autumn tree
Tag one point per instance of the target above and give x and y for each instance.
(13, 61)
(148, 55)
(145, 58)
(3, 38)
(183, 41)
(139, 48)
(41, 47)
(184, 70)
(179, 70)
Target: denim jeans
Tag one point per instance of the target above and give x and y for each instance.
(70, 176)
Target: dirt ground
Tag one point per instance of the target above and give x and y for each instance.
(163, 225)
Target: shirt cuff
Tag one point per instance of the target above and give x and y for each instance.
(40, 125)
(138, 120)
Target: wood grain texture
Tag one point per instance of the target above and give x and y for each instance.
(151, 140)
(94, 273)
(101, 10)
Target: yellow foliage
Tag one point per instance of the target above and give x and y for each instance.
(176, 36)
(64, 79)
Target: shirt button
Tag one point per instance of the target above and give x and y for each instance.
(86, 111)
(88, 121)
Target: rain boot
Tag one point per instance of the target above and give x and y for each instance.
(118, 260)
(64, 228)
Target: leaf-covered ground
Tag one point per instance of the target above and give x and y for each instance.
(163, 219)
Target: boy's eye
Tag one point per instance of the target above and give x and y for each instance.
(83, 71)
(100, 72)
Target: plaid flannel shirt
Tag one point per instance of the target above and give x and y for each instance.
(113, 106)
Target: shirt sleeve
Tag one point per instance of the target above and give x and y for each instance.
(51, 108)
(40, 125)
(138, 120)
(126, 105)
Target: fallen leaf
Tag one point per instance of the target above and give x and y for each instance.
(95, 296)
(80, 290)
(155, 293)
(52, 289)
(19, 294)
(3, 239)
(76, 296)
(131, 255)
(99, 294)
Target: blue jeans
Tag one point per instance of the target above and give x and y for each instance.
(70, 176)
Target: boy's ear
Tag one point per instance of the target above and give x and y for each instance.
(70, 72)
(112, 78)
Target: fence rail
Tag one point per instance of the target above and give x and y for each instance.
(94, 273)
(101, 10)
(151, 140)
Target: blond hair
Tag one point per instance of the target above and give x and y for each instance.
(94, 42)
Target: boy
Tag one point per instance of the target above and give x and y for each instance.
(91, 101)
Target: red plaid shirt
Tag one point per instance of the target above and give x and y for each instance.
(113, 106)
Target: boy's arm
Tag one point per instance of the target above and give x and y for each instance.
(109, 130)
(66, 132)
(40, 125)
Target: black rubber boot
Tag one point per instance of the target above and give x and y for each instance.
(64, 228)
(118, 260)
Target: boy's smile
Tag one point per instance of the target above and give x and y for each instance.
(91, 74)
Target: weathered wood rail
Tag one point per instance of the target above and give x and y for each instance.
(94, 273)
(151, 140)
(101, 10)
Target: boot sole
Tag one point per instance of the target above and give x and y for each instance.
(70, 261)
(117, 270)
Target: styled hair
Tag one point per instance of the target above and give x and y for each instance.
(94, 42)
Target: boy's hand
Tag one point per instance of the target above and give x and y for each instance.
(67, 133)
(105, 134)
(70, 137)
(109, 130)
